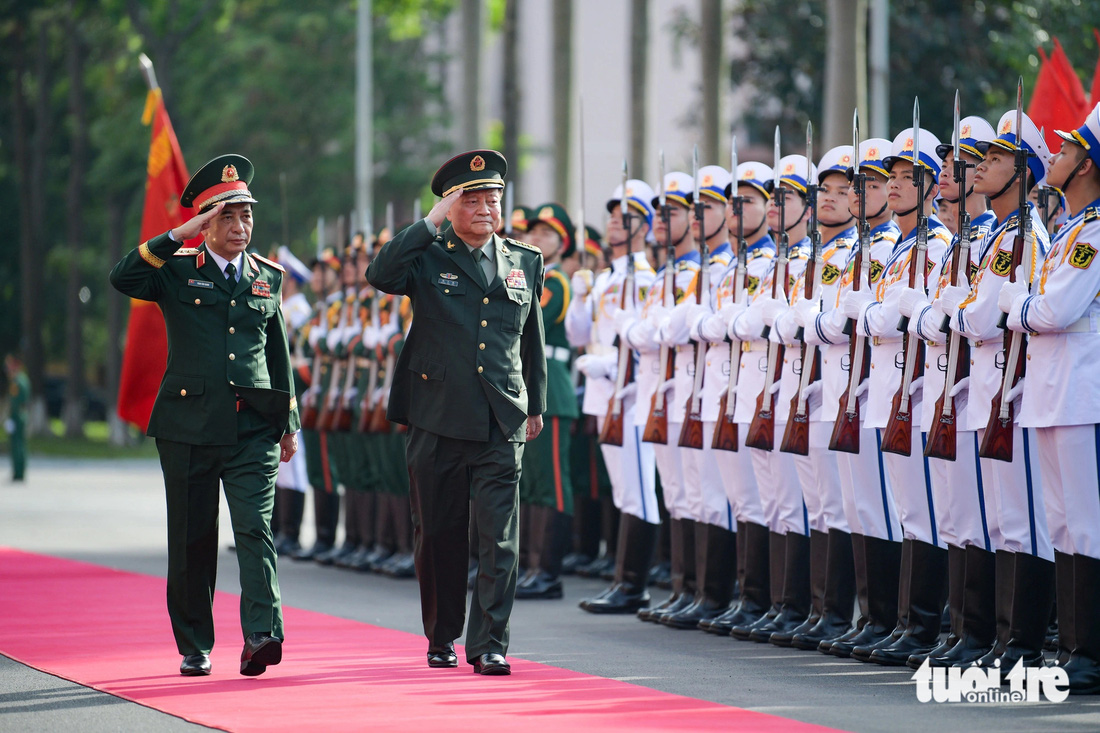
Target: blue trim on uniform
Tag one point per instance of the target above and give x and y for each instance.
(638, 463)
(920, 319)
(729, 518)
(866, 328)
(1096, 437)
(1023, 313)
(1030, 493)
(820, 333)
(882, 486)
(981, 494)
(928, 490)
(805, 519)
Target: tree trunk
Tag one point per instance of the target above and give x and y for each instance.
(73, 413)
(842, 73)
(562, 100)
(710, 42)
(471, 133)
(27, 254)
(34, 290)
(511, 106)
(116, 303)
(639, 82)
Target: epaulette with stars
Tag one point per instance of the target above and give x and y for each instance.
(886, 234)
(1092, 213)
(518, 243)
(186, 252)
(269, 263)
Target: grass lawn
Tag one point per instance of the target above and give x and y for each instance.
(94, 444)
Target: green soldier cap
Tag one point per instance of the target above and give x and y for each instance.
(556, 217)
(470, 171)
(521, 217)
(224, 179)
(593, 240)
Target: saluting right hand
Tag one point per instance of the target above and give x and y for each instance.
(196, 225)
(438, 214)
(581, 283)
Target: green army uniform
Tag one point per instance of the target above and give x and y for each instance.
(20, 389)
(471, 371)
(226, 400)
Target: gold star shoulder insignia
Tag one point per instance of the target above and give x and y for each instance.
(524, 245)
(451, 246)
(186, 252)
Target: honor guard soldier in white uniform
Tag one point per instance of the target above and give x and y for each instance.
(895, 357)
(775, 471)
(865, 488)
(715, 528)
(1015, 496)
(965, 512)
(659, 392)
(753, 257)
(832, 570)
(590, 323)
(1061, 399)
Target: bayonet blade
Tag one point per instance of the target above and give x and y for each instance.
(733, 164)
(957, 129)
(775, 170)
(916, 137)
(695, 172)
(809, 150)
(855, 139)
(1019, 112)
(661, 177)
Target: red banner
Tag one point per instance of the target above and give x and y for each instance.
(146, 352)
(1058, 101)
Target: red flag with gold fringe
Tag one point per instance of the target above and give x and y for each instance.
(146, 352)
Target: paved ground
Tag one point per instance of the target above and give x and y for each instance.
(112, 513)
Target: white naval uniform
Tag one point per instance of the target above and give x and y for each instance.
(776, 476)
(706, 495)
(963, 514)
(292, 474)
(1017, 497)
(865, 488)
(631, 466)
(734, 467)
(817, 472)
(1061, 398)
(909, 475)
(641, 334)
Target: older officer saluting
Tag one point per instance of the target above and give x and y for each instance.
(471, 385)
(225, 411)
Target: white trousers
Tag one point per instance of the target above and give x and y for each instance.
(868, 497)
(820, 481)
(964, 516)
(1016, 492)
(707, 501)
(910, 479)
(670, 466)
(739, 482)
(632, 471)
(1068, 458)
(780, 491)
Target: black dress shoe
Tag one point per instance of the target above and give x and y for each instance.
(260, 652)
(492, 664)
(543, 586)
(572, 561)
(401, 565)
(318, 548)
(195, 665)
(621, 598)
(443, 656)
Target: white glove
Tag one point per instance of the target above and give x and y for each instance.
(713, 327)
(370, 337)
(774, 386)
(916, 386)
(962, 384)
(1013, 395)
(861, 388)
(910, 301)
(749, 325)
(950, 297)
(854, 301)
(333, 338)
(627, 391)
(1010, 291)
(597, 367)
(385, 333)
(666, 386)
(581, 283)
(771, 309)
(623, 320)
(805, 312)
(315, 335)
(812, 395)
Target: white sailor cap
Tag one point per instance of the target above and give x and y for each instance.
(757, 175)
(1087, 135)
(638, 197)
(678, 189)
(837, 160)
(973, 130)
(713, 181)
(1039, 161)
(294, 266)
(871, 153)
(796, 172)
(902, 149)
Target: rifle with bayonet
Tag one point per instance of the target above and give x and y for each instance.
(845, 435)
(326, 420)
(691, 433)
(312, 396)
(796, 438)
(725, 431)
(762, 428)
(898, 435)
(943, 432)
(656, 425)
(997, 441)
(612, 432)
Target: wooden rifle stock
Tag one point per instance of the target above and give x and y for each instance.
(796, 437)
(845, 436)
(656, 425)
(997, 441)
(309, 399)
(378, 421)
(613, 424)
(725, 431)
(761, 433)
(943, 432)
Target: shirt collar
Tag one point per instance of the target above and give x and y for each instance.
(487, 248)
(222, 262)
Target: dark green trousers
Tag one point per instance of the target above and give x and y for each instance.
(547, 480)
(191, 475)
(449, 479)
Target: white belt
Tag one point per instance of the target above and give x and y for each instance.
(880, 340)
(1085, 324)
(558, 353)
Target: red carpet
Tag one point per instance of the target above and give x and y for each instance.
(108, 630)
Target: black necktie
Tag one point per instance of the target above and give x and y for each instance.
(231, 273)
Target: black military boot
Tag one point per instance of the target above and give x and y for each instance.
(1063, 573)
(775, 559)
(1083, 666)
(884, 565)
(677, 599)
(838, 594)
(819, 563)
(719, 569)
(722, 623)
(637, 539)
(928, 571)
(326, 513)
(545, 583)
(795, 604)
(1032, 599)
(1005, 572)
(859, 563)
(863, 652)
(956, 580)
(977, 628)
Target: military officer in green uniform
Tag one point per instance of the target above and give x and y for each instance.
(470, 383)
(546, 485)
(225, 411)
(20, 388)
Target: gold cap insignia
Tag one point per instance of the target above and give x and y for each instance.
(750, 174)
(789, 168)
(965, 131)
(1006, 126)
(629, 192)
(872, 154)
(708, 180)
(845, 159)
(477, 164)
(547, 212)
(909, 144)
(229, 174)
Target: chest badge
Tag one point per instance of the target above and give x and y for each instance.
(448, 276)
(261, 288)
(201, 284)
(516, 279)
